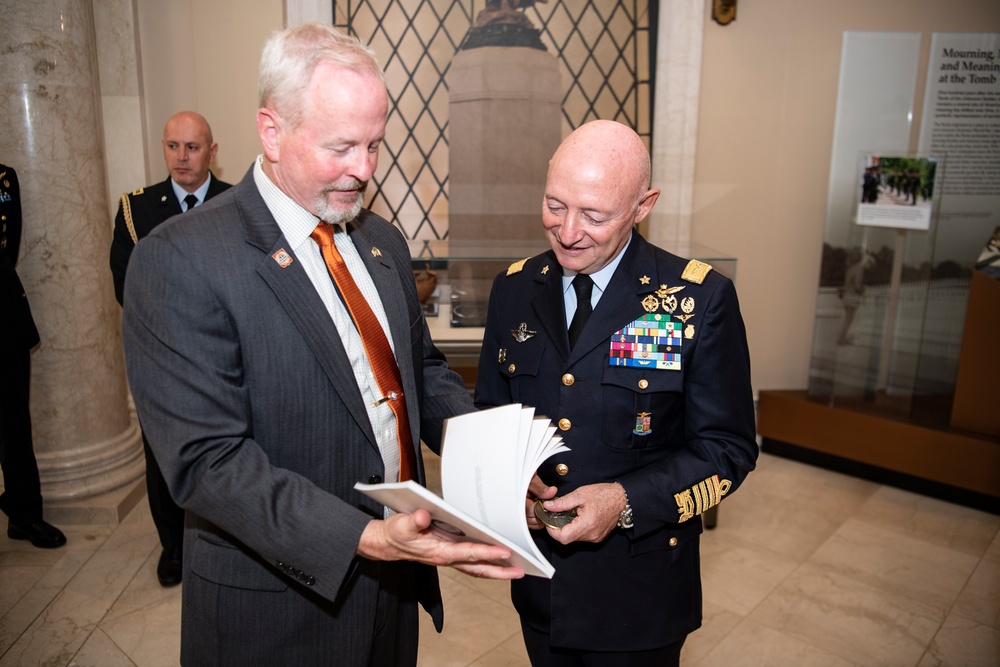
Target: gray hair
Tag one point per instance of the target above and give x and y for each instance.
(290, 57)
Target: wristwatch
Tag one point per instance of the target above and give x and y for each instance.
(625, 518)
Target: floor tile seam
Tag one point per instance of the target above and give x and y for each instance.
(494, 648)
(111, 639)
(755, 546)
(58, 597)
(959, 614)
(834, 649)
(887, 587)
(803, 639)
(131, 580)
(777, 586)
(970, 620)
(44, 609)
(889, 527)
(939, 622)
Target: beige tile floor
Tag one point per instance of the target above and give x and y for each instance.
(806, 568)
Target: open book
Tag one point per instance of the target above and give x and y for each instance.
(487, 461)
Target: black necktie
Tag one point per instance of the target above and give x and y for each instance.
(191, 201)
(584, 286)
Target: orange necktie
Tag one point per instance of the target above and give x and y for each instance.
(380, 355)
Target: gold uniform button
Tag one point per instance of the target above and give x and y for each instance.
(643, 383)
(562, 469)
(565, 424)
(511, 368)
(673, 542)
(568, 379)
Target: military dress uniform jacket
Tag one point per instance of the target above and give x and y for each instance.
(18, 331)
(678, 438)
(146, 208)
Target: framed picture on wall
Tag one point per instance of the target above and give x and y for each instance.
(896, 191)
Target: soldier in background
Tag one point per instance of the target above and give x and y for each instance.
(189, 150)
(21, 500)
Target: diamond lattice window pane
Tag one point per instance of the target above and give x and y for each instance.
(602, 46)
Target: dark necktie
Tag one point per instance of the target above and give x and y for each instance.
(191, 202)
(377, 348)
(584, 286)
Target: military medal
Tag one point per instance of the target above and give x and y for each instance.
(553, 519)
(642, 424)
(650, 304)
(522, 333)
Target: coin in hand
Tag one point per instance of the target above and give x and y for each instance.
(553, 519)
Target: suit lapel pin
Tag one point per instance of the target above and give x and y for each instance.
(283, 259)
(644, 280)
(522, 333)
(545, 269)
(163, 199)
(376, 252)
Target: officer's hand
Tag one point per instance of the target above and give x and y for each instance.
(536, 490)
(598, 507)
(410, 537)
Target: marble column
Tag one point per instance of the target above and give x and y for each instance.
(86, 441)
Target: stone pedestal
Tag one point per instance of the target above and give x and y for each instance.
(504, 124)
(86, 441)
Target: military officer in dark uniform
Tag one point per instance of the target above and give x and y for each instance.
(21, 500)
(189, 150)
(640, 358)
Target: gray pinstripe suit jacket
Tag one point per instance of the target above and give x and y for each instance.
(238, 371)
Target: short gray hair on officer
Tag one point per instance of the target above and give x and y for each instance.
(290, 57)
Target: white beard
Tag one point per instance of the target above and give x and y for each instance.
(337, 216)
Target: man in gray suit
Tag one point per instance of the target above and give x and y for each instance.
(262, 403)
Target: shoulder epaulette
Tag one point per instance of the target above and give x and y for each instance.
(516, 266)
(696, 271)
(127, 213)
(136, 193)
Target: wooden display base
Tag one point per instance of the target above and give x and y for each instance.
(956, 465)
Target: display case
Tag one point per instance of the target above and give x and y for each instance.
(892, 305)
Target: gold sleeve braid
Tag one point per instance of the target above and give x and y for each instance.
(127, 212)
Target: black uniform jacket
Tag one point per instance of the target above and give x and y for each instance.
(678, 439)
(18, 331)
(148, 207)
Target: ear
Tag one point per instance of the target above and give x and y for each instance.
(646, 204)
(269, 131)
(213, 150)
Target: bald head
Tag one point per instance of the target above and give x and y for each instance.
(188, 149)
(597, 189)
(608, 148)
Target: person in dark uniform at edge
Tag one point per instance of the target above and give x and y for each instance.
(653, 399)
(21, 500)
(189, 151)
